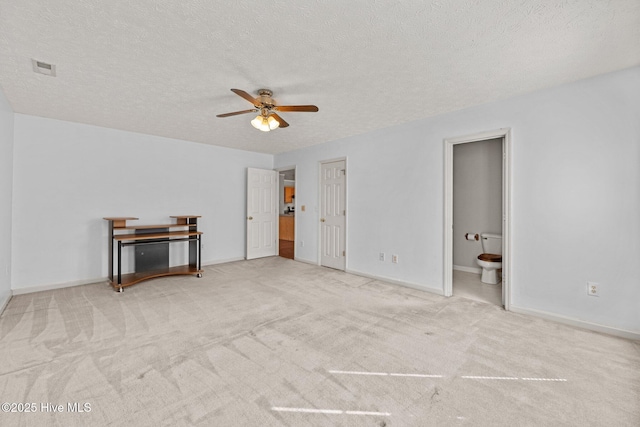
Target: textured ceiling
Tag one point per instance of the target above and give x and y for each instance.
(165, 67)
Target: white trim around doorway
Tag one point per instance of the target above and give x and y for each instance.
(505, 134)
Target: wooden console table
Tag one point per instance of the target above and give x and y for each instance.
(152, 249)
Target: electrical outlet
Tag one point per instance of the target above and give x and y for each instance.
(381, 257)
(592, 289)
(394, 258)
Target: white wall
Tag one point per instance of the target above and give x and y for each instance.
(6, 179)
(575, 197)
(68, 176)
(477, 197)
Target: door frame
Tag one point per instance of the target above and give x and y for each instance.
(505, 134)
(295, 204)
(318, 209)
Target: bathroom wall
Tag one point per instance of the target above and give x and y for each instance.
(477, 198)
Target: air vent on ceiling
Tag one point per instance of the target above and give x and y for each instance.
(44, 68)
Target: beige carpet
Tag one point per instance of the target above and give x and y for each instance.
(275, 342)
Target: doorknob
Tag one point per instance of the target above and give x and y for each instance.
(249, 218)
(321, 219)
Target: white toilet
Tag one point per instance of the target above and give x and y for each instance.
(491, 258)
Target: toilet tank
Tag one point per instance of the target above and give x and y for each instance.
(491, 243)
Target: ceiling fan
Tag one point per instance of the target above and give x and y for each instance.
(267, 118)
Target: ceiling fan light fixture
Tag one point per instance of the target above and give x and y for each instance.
(265, 123)
(273, 123)
(260, 123)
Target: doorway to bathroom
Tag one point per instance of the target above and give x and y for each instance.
(477, 182)
(287, 212)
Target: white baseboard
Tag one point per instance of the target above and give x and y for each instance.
(306, 261)
(467, 269)
(31, 289)
(4, 301)
(577, 323)
(222, 261)
(411, 285)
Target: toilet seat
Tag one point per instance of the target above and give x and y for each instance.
(490, 257)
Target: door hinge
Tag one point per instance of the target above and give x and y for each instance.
(344, 212)
(344, 253)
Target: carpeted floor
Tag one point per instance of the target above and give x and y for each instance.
(273, 342)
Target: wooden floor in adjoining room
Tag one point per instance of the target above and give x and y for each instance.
(286, 248)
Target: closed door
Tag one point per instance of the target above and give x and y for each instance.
(261, 213)
(333, 214)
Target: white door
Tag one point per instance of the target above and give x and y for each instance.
(262, 213)
(333, 214)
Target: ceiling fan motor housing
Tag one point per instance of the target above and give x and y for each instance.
(265, 97)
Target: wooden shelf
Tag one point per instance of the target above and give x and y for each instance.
(167, 235)
(133, 278)
(186, 219)
(119, 222)
(120, 218)
(145, 227)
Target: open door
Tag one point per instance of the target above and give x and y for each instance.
(262, 213)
